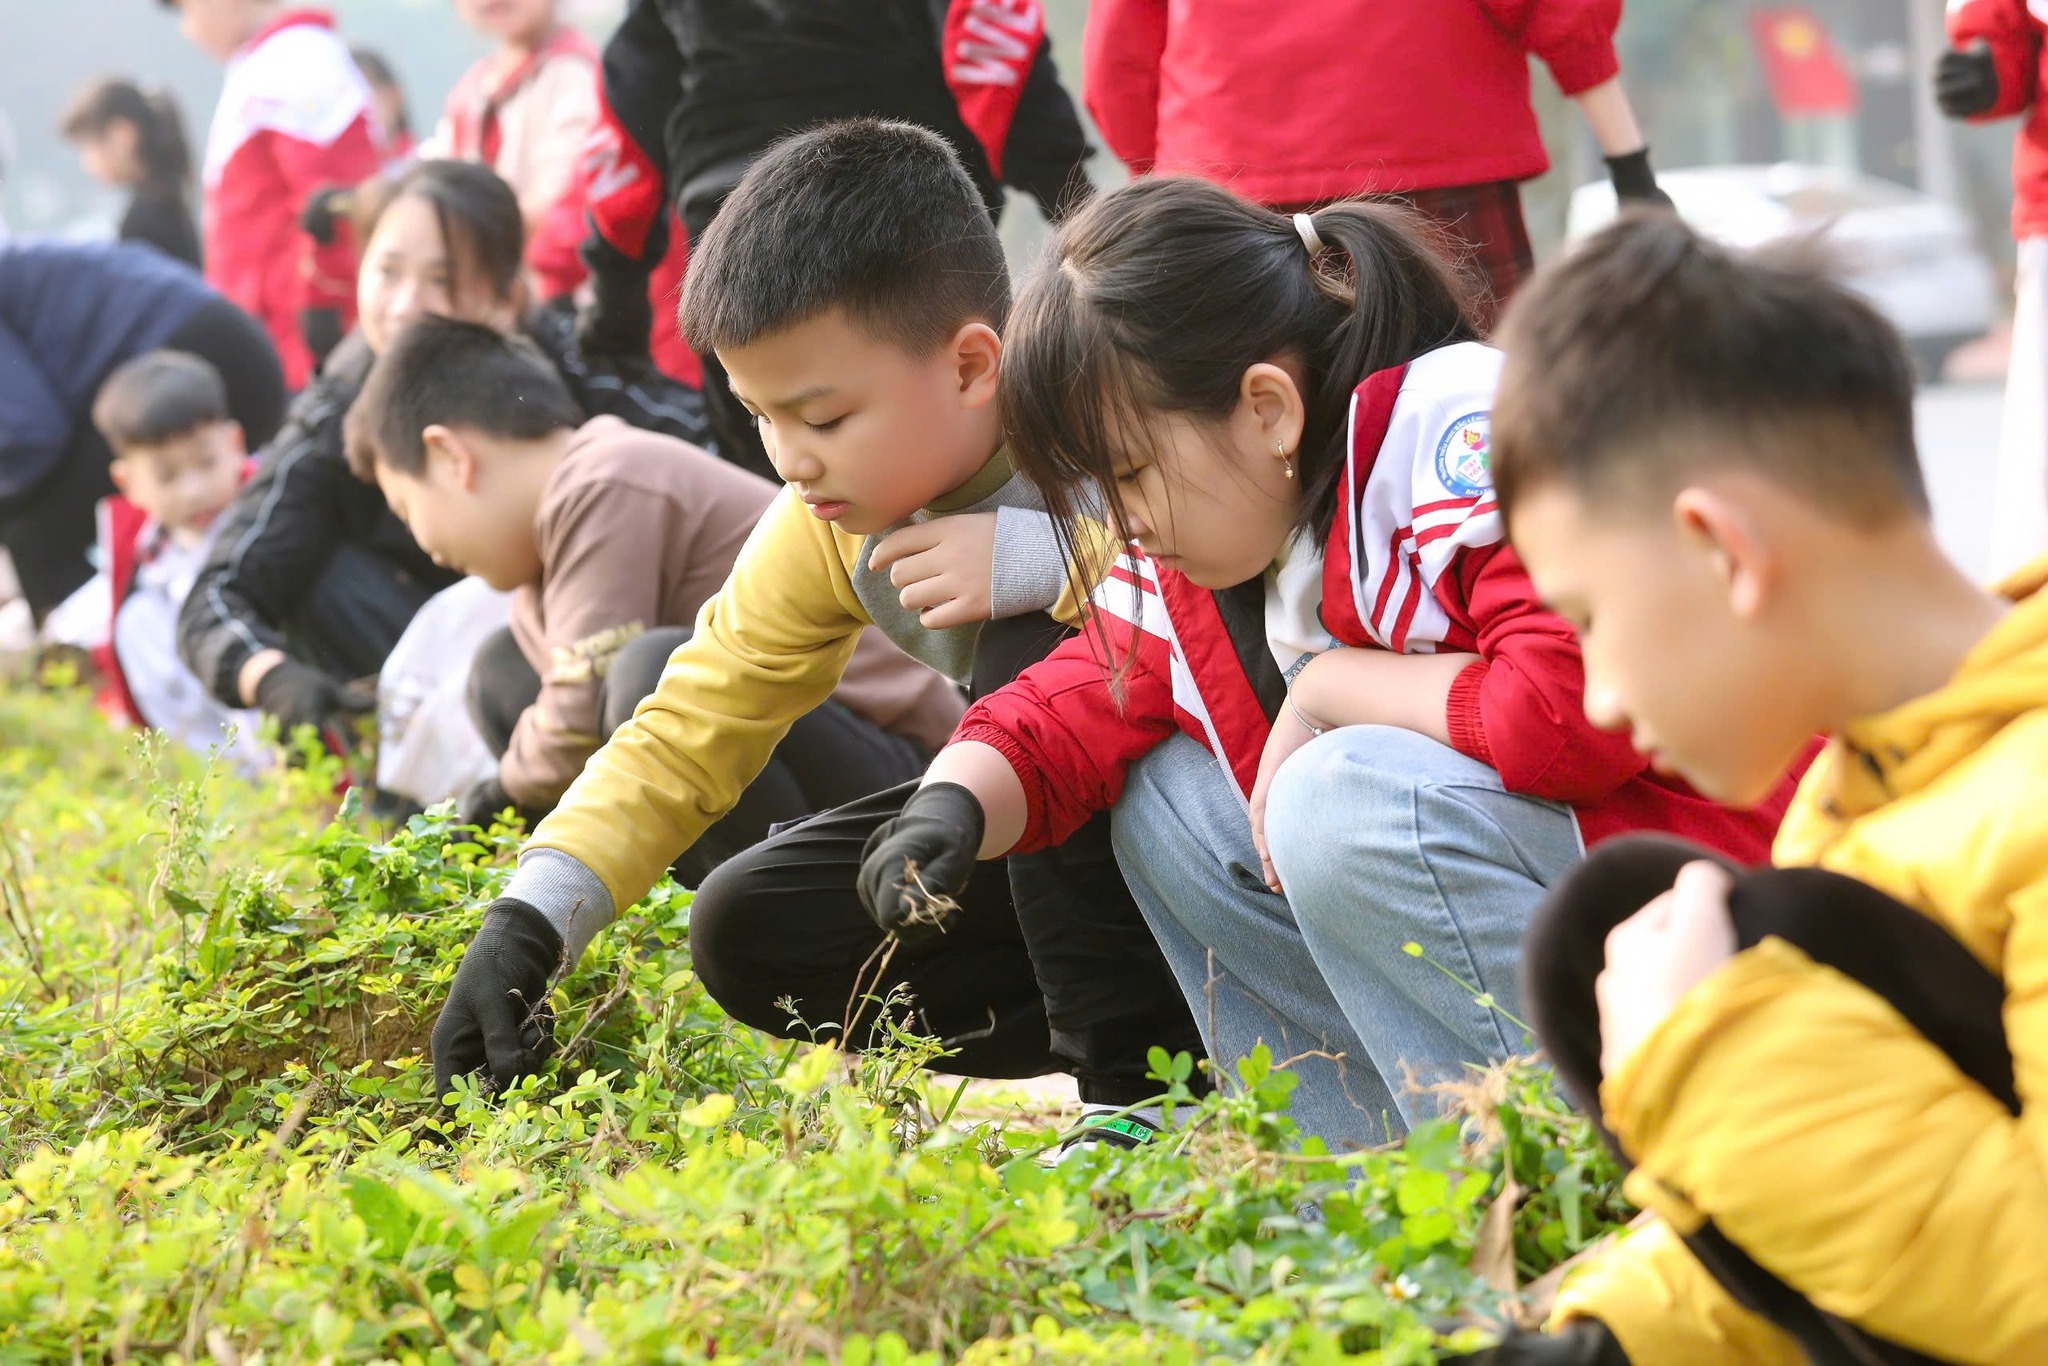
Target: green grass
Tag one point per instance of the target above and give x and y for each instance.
(217, 1144)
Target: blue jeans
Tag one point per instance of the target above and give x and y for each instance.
(1382, 838)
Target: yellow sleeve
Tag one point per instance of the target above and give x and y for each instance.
(767, 648)
(1666, 1310)
(1092, 553)
(1848, 1155)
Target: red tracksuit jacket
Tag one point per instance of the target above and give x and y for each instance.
(294, 117)
(1415, 563)
(1296, 103)
(2014, 31)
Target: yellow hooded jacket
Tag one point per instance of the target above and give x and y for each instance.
(1799, 1112)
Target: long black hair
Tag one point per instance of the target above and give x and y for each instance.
(160, 142)
(477, 212)
(1157, 297)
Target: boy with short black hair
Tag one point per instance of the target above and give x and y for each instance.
(1831, 1090)
(853, 287)
(610, 540)
(178, 459)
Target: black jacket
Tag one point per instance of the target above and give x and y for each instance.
(309, 558)
(159, 216)
(697, 88)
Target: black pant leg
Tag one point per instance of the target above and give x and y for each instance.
(49, 531)
(782, 922)
(1921, 970)
(237, 346)
(502, 685)
(1109, 995)
(829, 758)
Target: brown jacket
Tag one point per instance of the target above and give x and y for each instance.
(636, 531)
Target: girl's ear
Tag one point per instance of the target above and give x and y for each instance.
(1732, 542)
(976, 355)
(1270, 415)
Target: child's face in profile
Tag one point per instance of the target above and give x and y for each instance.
(863, 430)
(508, 21)
(187, 482)
(463, 516)
(1198, 499)
(110, 156)
(1684, 646)
(218, 27)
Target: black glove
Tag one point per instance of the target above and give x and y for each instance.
(1966, 83)
(484, 800)
(498, 1017)
(939, 836)
(1635, 182)
(619, 319)
(325, 208)
(1582, 1342)
(301, 695)
(321, 330)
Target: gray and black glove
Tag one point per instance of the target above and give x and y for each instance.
(497, 1019)
(481, 804)
(915, 867)
(1582, 1342)
(301, 695)
(1966, 83)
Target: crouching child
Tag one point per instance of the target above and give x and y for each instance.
(610, 540)
(1828, 1077)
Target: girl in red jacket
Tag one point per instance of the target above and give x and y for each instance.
(1319, 693)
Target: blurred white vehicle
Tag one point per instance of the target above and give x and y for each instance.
(1911, 255)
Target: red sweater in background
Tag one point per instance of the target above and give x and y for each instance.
(1296, 103)
(294, 117)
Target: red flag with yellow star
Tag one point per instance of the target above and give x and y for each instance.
(1802, 66)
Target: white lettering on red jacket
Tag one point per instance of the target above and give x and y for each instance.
(989, 48)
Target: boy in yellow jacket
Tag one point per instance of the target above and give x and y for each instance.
(1836, 1106)
(853, 287)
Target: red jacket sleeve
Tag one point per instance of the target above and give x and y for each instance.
(2015, 42)
(1120, 54)
(323, 277)
(1065, 734)
(1519, 707)
(1575, 38)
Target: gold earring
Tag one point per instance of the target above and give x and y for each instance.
(1280, 449)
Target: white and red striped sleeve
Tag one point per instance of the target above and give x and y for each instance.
(1426, 568)
(1068, 736)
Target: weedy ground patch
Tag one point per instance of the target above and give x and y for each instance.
(217, 1144)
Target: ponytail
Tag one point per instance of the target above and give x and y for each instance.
(160, 141)
(166, 154)
(1157, 297)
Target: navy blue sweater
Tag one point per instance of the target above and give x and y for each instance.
(70, 313)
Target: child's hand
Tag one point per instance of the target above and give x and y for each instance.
(1658, 954)
(1289, 735)
(944, 568)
